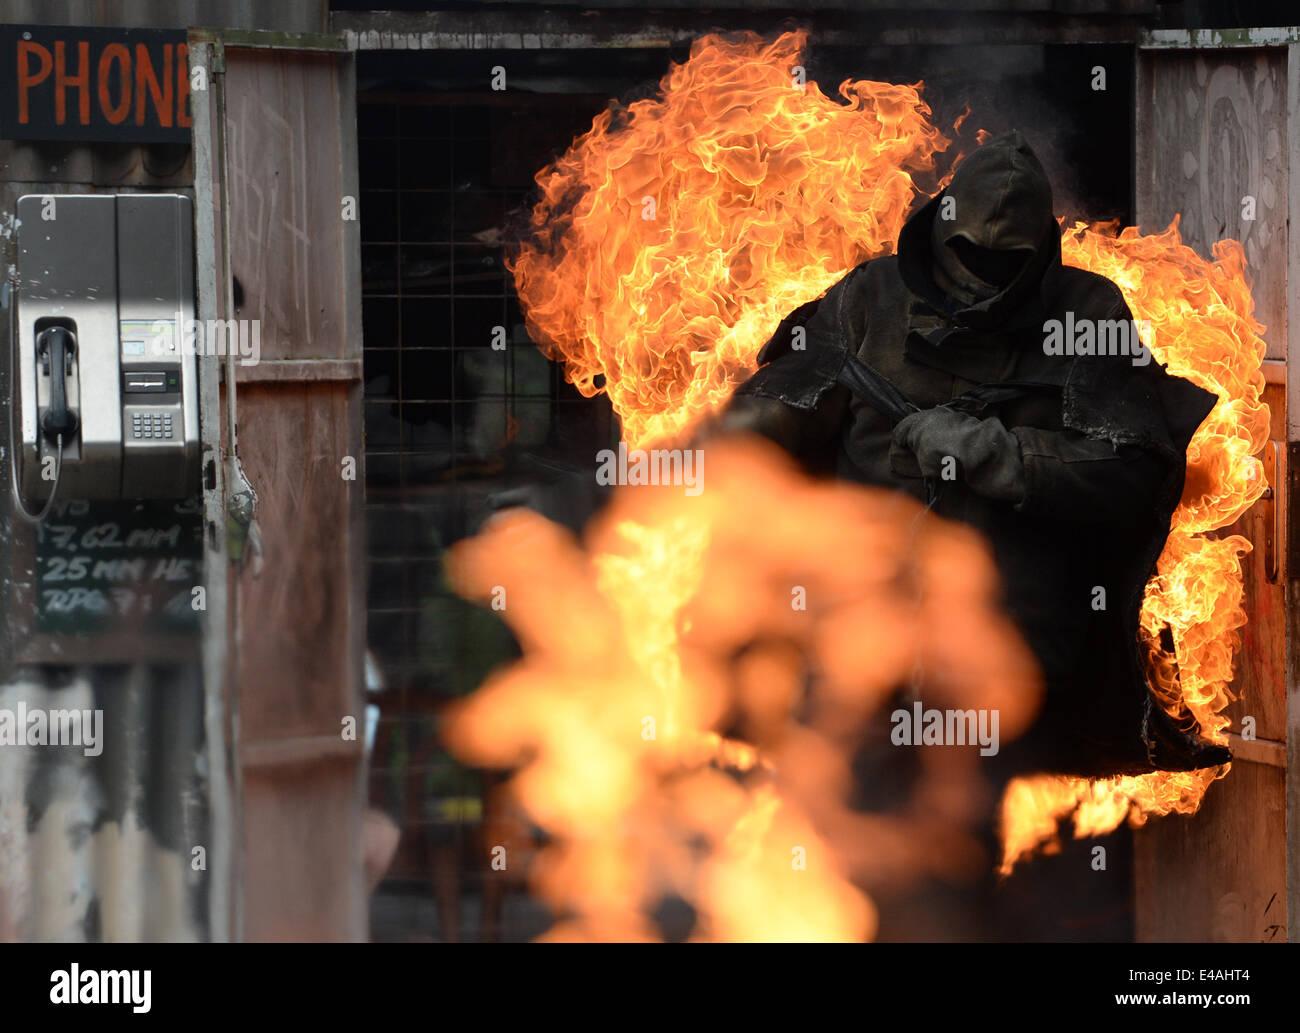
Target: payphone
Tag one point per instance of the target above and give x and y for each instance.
(104, 373)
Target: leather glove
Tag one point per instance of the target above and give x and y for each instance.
(987, 455)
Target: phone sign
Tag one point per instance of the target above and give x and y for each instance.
(68, 83)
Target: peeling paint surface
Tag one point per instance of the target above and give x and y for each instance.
(102, 848)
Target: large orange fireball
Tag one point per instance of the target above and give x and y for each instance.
(672, 238)
(675, 234)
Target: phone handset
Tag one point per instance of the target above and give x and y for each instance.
(56, 346)
(56, 349)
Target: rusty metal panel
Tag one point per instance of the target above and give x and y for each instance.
(297, 832)
(295, 645)
(1261, 677)
(282, 164)
(1213, 142)
(287, 199)
(1219, 876)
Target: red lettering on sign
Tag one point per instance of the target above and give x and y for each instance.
(26, 80)
(60, 85)
(62, 81)
(115, 113)
(147, 80)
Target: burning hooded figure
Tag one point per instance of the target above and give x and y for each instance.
(975, 371)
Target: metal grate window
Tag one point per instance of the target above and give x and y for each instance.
(452, 426)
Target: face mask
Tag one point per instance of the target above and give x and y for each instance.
(990, 266)
(970, 274)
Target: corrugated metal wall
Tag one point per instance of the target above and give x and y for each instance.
(103, 847)
(282, 15)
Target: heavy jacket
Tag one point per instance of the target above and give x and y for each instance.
(1072, 470)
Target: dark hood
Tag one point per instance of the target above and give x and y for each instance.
(1003, 201)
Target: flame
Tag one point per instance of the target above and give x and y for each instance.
(673, 236)
(669, 242)
(1202, 327)
(674, 617)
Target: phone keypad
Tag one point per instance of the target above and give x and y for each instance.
(149, 426)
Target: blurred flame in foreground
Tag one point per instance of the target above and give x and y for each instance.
(673, 237)
(679, 615)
